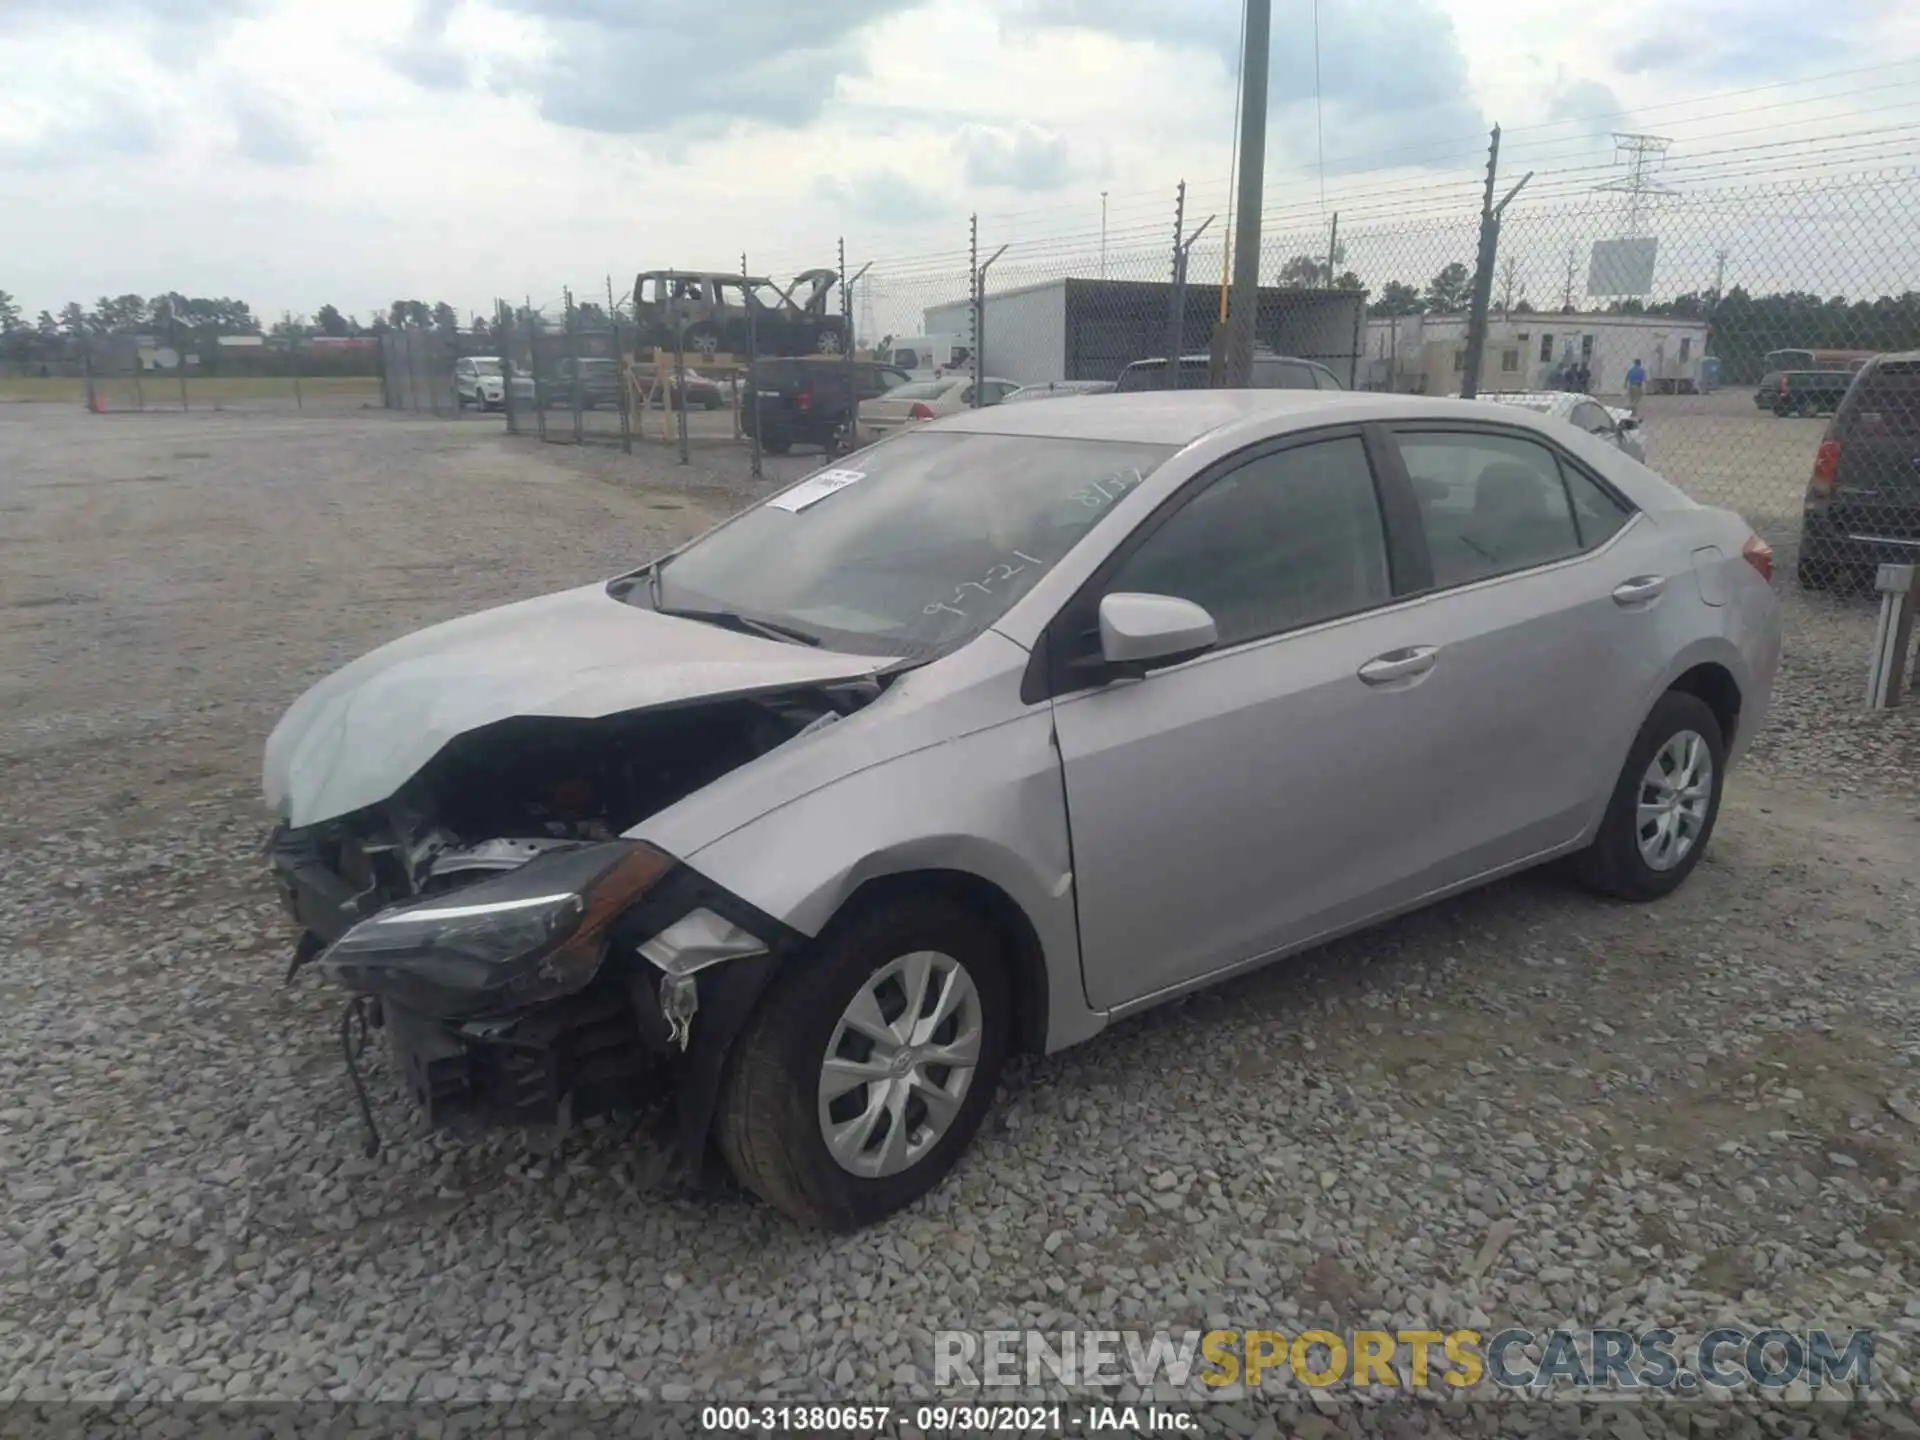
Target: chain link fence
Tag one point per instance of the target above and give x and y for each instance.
(1743, 335)
(181, 368)
(1745, 338)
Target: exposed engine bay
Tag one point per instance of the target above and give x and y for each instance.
(496, 797)
(568, 973)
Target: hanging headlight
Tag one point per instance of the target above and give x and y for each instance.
(534, 934)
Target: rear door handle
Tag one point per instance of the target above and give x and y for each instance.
(1399, 665)
(1639, 590)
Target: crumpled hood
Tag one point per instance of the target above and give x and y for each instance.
(364, 731)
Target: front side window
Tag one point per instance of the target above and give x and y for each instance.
(1285, 540)
(1489, 504)
(912, 547)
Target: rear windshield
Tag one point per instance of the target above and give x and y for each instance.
(1886, 400)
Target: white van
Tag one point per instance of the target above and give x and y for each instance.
(924, 356)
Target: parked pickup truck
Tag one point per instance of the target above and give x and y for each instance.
(805, 401)
(1802, 392)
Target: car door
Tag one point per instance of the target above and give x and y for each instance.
(1261, 794)
(1543, 623)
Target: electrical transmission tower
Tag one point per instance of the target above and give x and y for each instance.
(1642, 155)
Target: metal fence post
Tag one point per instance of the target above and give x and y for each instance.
(678, 394)
(503, 331)
(752, 397)
(1899, 589)
(293, 359)
(574, 385)
(179, 360)
(1177, 304)
(974, 316)
(540, 395)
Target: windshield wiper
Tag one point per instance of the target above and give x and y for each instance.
(745, 624)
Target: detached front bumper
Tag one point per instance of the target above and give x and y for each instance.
(607, 1047)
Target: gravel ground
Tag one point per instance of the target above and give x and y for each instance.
(1520, 1107)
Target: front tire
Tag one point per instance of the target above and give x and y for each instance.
(1664, 804)
(869, 1065)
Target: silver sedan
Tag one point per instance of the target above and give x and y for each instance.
(988, 736)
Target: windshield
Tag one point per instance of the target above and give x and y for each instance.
(486, 367)
(912, 547)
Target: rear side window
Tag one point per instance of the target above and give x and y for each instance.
(1285, 540)
(1489, 504)
(1885, 400)
(907, 359)
(1283, 375)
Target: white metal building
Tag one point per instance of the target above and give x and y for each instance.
(1426, 354)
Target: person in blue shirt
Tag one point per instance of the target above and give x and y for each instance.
(1636, 384)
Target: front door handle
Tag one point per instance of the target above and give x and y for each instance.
(1639, 590)
(1399, 665)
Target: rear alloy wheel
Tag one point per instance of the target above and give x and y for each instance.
(1664, 805)
(869, 1065)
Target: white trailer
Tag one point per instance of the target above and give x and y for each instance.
(1076, 329)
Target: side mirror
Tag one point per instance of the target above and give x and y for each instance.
(1140, 632)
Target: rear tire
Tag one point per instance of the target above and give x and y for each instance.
(1621, 861)
(792, 1076)
(775, 446)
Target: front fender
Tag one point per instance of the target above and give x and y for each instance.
(990, 804)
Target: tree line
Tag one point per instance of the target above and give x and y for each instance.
(174, 316)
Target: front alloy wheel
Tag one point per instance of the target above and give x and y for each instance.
(869, 1063)
(899, 1064)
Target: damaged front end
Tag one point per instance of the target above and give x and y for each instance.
(528, 965)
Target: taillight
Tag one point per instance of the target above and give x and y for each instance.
(804, 400)
(1826, 468)
(920, 412)
(1759, 554)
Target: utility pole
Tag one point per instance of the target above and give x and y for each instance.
(1333, 247)
(1490, 214)
(1508, 269)
(1103, 234)
(1566, 290)
(1237, 357)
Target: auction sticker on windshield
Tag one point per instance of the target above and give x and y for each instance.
(816, 487)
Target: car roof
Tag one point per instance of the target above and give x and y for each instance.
(1179, 417)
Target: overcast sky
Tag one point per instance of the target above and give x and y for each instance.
(295, 152)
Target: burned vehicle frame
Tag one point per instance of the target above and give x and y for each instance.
(588, 1007)
(702, 313)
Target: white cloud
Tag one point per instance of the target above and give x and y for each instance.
(296, 152)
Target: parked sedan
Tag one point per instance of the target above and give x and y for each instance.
(1617, 426)
(981, 740)
(917, 401)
